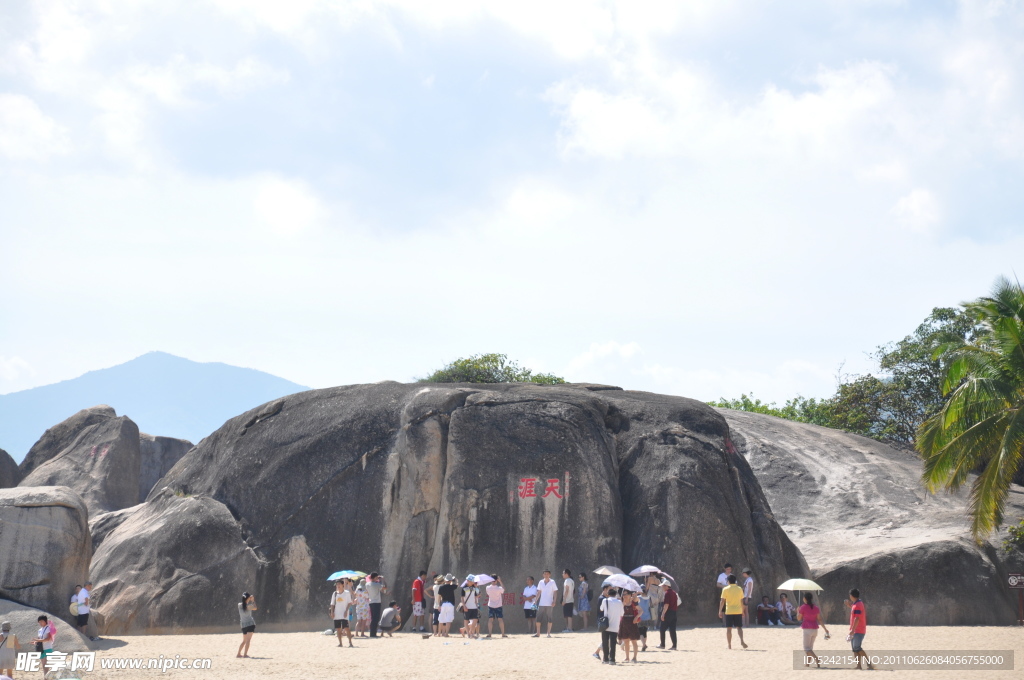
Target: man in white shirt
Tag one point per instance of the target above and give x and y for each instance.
(495, 604)
(723, 578)
(612, 608)
(568, 599)
(547, 593)
(341, 600)
(530, 604)
(82, 598)
(748, 592)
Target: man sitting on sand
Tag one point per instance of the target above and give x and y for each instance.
(390, 620)
(731, 608)
(784, 608)
(767, 614)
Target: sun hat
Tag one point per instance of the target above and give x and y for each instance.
(471, 578)
(5, 626)
(438, 580)
(449, 577)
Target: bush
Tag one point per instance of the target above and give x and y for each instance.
(489, 368)
(1016, 539)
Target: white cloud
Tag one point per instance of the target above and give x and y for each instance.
(601, 352)
(919, 211)
(26, 133)
(171, 83)
(13, 368)
(286, 206)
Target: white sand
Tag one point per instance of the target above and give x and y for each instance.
(702, 654)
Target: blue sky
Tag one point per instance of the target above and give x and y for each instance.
(701, 198)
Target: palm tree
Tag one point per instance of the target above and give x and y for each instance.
(981, 425)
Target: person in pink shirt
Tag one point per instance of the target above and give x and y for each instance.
(858, 627)
(809, 616)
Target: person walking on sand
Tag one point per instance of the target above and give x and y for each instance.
(748, 593)
(469, 604)
(568, 599)
(8, 649)
(731, 607)
(670, 603)
(417, 601)
(583, 595)
(644, 602)
(809, 616)
(447, 594)
(375, 586)
(547, 594)
(858, 627)
(600, 601)
(44, 640)
(245, 609)
(530, 605)
(362, 610)
(657, 596)
(629, 627)
(611, 607)
(341, 600)
(495, 605)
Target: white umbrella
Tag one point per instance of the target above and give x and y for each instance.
(650, 569)
(608, 570)
(479, 580)
(622, 581)
(800, 584)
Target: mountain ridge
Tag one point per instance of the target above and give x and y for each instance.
(164, 394)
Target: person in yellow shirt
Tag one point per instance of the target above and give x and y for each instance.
(731, 607)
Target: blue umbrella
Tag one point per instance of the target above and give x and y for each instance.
(347, 573)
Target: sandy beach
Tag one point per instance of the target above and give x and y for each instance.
(702, 654)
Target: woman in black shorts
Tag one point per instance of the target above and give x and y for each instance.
(245, 610)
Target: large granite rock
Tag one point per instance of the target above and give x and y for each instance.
(856, 509)
(45, 544)
(24, 624)
(176, 563)
(507, 478)
(157, 455)
(10, 475)
(95, 453)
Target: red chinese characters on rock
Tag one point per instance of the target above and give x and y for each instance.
(534, 487)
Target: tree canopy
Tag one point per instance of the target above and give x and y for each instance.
(489, 368)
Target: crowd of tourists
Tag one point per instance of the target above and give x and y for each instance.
(625, 614)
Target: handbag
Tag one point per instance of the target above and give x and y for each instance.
(602, 624)
(39, 647)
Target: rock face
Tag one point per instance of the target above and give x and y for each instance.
(857, 511)
(95, 453)
(498, 478)
(45, 543)
(10, 475)
(173, 564)
(157, 455)
(24, 624)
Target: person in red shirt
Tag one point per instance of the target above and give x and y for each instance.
(858, 627)
(669, 605)
(417, 603)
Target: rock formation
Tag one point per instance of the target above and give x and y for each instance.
(10, 475)
(504, 478)
(95, 453)
(856, 509)
(157, 455)
(45, 544)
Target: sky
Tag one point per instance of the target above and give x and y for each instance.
(695, 198)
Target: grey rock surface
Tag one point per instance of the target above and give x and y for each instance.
(157, 455)
(463, 478)
(24, 624)
(10, 475)
(45, 543)
(176, 563)
(95, 453)
(856, 509)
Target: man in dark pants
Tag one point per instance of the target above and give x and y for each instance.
(669, 605)
(374, 587)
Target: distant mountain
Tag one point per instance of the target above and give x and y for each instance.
(162, 393)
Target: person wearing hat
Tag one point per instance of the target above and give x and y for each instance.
(435, 604)
(748, 593)
(8, 649)
(447, 594)
(669, 605)
(470, 606)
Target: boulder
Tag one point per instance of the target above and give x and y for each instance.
(10, 475)
(396, 477)
(95, 453)
(175, 563)
(45, 543)
(157, 455)
(25, 623)
(101, 525)
(62, 435)
(857, 510)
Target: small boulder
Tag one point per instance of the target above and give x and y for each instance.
(10, 475)
(45, 544)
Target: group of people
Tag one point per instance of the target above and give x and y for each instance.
(624, 616)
